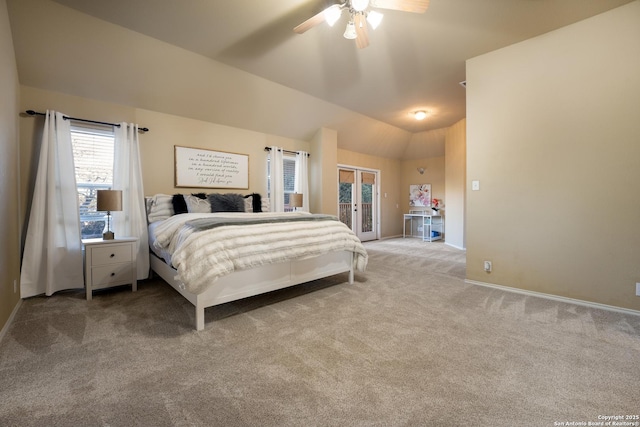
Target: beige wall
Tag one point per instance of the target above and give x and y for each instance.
(323, 181)
(156, 146)
(433, 174)
(553, 138)
(455, 184)
(166, 131)
(395, 178)
(390, 173)
(9, 172)
(31, 130)
(426, 150)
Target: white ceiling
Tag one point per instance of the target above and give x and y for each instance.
(414, 61)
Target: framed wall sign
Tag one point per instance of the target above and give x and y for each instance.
(201, 168)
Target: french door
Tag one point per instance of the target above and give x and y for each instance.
(358, 201)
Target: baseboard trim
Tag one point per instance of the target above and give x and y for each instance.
(9, 321)
(390, 237)
(454, 246)
(556, 298)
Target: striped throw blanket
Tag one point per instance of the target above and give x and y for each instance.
(205, 247)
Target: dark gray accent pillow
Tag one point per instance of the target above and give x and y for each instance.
(228, 202)
(179, 204)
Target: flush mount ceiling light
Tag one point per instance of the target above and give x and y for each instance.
(359, 14)
(420, 114)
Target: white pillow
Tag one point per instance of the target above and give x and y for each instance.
(248, 204)
(266, 205)
(197, 205)
(160, 207)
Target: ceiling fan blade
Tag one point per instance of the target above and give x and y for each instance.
(318, 18)
(360, 23)
(310, 23)
(415, 6)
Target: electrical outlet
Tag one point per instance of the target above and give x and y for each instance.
(487, 266)
(638, 289)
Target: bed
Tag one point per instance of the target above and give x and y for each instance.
(211, 258)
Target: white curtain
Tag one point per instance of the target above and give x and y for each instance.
(302, 178)
(276, 196)
(52, 259)
(127, 176)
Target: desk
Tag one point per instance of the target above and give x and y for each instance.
(428, 223)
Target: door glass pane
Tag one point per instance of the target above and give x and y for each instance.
(346, 203)
(367, 205)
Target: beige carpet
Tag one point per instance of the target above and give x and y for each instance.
(409, 344)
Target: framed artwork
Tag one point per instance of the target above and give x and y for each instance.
(420, 195)
(201, 168)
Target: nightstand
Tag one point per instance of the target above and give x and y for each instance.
(109, 263)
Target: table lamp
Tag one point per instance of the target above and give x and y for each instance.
(295, 201)
(109, 200)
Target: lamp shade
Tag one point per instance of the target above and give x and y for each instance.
(295, 200)
(374, 18)
(332, 14)
(109, 200)
(359, 5)
(350, 31)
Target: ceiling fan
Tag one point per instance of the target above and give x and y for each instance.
(359, 14)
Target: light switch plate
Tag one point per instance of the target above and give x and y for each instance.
(475, 185)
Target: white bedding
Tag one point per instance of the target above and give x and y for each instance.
(201, 257)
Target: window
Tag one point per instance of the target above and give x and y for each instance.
(93, 150)
(289, 166)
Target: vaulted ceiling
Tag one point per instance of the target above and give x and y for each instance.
(414, 61)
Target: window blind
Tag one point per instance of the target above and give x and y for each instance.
(93, 155)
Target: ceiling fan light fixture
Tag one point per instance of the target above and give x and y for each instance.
(374, 18)
(359, 5)
(332, 14)
(350, 31)
(360, 16)
(420, 115)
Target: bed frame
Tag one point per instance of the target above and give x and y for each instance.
(259, 280)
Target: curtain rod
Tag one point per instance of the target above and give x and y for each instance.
(35, 113)
(285, 151)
